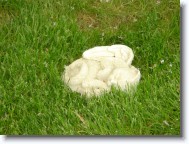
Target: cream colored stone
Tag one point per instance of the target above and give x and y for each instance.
(100, 68)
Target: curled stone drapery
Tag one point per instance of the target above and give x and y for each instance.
(100, 68)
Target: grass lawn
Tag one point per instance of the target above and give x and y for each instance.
(39, 37)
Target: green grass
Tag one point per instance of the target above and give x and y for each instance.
(37, 38)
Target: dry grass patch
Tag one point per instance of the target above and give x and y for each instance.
(87, 20)
(5, 16)
(106, 16)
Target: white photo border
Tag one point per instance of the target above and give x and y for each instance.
(182, 139)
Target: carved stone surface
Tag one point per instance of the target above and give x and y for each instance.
(100, 68)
